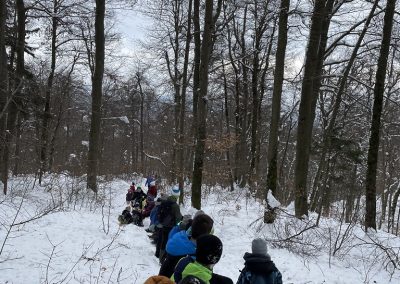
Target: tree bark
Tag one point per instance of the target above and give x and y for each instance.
(47, 111)
(206, 48)
(328, 134)
(15, 96)
(379, 88)
(97, 93)
(272, 174)
(306, 118)
(228, 129)
(181, 140)
(3, 89)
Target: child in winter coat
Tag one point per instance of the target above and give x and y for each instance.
(208, 253)
(150, 204)
(129, 195)
(182, 244)
(169, 215)
(152, 189)
(136, 198)
(259, 268)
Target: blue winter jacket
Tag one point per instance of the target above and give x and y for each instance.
(180, 244)
(148, 181)
(154, 215)
(174, 230)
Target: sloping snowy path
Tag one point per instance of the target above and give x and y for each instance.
(72, 246)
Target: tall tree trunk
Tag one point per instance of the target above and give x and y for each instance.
(181, 141)
(141, 127)
(49, 87)
(259, 27)
(328, 134)
(206, 48)
(196, 77)
(15, 96)
(243, 152)
(379, 88)
(272, 174)
(306, 118)
(17, 151)
(3, 89)
(97, 93)
(228, 129)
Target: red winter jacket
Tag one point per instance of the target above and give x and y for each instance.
(152, 191)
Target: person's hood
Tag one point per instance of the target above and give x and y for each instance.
(180, 244)
(172, 198)
(197, 270)
(259, 264)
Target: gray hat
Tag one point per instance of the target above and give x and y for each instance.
(259, 246)
(199, 212)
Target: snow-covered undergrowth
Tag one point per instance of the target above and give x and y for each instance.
(60, 233)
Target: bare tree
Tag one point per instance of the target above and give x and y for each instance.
(309, 94)
(97, 81)
(379, 88)
(272, 174)
(206, 49)
(3, 88)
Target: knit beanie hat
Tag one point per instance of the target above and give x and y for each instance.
(199, 212)
(175, 191)
(259, 246)
(209, 249)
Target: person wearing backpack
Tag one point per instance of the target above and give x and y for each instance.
(259, 268)
(208, 253)
(182, 244)
(169, 215)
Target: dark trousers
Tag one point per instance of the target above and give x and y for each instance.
(162, 242)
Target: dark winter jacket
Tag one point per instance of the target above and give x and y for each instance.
(259, 269)
(177, 247)
(169, 213)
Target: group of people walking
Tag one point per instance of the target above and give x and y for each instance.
(188, 250)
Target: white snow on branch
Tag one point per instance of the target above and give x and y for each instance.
(155, 158)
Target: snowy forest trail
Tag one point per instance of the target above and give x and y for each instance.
(83, 243)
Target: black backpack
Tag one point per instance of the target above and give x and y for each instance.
(165, 214)
(125, 217)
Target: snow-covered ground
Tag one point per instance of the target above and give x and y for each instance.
(81, 241)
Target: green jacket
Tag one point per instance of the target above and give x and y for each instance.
(198, 270)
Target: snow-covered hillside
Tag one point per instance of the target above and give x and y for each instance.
(73, 239)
